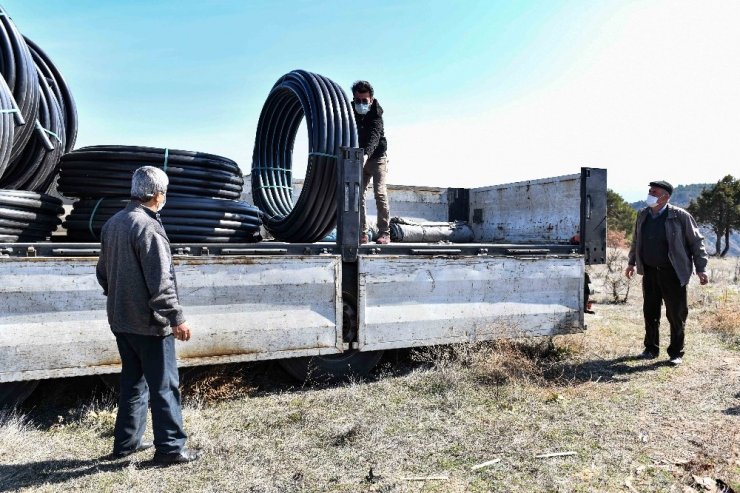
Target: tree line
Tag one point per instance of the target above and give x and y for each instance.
(717, 207)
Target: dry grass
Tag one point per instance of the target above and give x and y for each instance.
(632, 425)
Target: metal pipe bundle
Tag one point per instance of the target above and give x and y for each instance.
(331, 125)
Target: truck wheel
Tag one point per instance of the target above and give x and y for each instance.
(12, 394)
(336, 367)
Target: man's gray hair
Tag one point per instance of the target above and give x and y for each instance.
(147, 182)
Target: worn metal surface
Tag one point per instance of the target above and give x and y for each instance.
(534, 211)
(406, 302)
(412, 202)
(53, 322)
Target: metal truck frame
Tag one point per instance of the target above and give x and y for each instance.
(329, 308)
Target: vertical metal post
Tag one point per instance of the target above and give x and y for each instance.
(458, 204)
(593, 215)
(349, 184)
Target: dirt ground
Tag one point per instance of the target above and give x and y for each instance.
(574, 413)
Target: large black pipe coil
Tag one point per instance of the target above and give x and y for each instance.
(48, 71)
(185, 219)
(7, 125)
(38, 116)
(106, 171)
(331, 125)
(19, 71)
(28, 216)
(36, 167)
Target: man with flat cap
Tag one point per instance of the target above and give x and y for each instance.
(666, 248)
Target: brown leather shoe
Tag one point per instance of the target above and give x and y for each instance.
(383, 240)
(182, 457)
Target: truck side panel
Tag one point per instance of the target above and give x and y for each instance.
(53, 321)
(407, 302)
(534, 211)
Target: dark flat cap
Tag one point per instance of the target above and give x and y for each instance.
(664, 185)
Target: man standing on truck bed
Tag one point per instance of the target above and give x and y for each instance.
(136, 272)
(369, 119)
(666, 246)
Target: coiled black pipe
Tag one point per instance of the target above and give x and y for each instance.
(19, 71)
(331, 125)
(105, 171)
(7, 125)
(185, 219)
(36, 167)
(58, 85)
(28, 216)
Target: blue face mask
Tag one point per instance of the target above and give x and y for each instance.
(362, 108)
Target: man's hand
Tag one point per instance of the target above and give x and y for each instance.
(629, 271)
(182, 332)
(703, 278)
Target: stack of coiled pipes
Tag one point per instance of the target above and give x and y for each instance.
(331, 125)
(201, 198)
(38, 123)
(28, 216)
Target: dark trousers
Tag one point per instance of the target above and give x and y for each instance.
(662, 285)
(148, 374)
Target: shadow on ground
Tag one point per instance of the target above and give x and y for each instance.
(604, 370)
(17, 476)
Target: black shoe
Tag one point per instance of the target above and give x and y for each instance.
(126, 453)
(182, 457)
(648, 355)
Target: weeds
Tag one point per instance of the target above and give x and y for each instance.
(724, 320)
(436, 412)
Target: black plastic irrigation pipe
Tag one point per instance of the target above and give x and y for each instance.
(36, 167)
(38, 116)
(58, 85)
(28, 216)
(331, 125)
(105, 171)
(185, 219)
(7, 124)
(19, 71)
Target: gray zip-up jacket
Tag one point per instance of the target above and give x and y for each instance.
(136, 272)
(685, 243)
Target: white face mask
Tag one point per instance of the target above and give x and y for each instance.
(161, 206)
(651, 201)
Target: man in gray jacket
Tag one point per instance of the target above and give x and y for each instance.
(136, 272)
(666, 247)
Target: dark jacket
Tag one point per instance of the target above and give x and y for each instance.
(136, 272)
(685, 243)
(370, 130)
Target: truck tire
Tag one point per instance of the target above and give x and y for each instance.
(12, 394)
(336, 367)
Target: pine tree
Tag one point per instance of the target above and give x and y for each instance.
(718, 207)
(620, 216)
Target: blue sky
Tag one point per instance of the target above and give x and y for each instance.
(475, 93)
